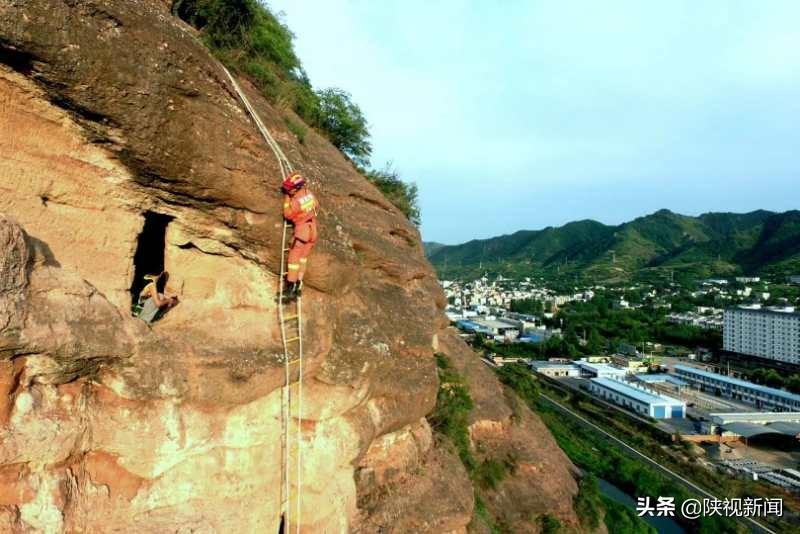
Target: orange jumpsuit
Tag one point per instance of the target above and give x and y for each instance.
(301, 210)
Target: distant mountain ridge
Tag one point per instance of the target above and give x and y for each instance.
(431, 247)
(709, 244)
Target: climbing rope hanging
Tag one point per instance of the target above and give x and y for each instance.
(290, 357)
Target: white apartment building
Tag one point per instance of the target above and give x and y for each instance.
(772, 333)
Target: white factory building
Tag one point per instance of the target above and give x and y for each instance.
(637, 399)
(600, 370)
(772, 333)
(556, 369)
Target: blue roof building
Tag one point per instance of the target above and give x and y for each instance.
(761, 397)
(469, 326)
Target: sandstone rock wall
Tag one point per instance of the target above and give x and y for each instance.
(112, 109)
(504, 430)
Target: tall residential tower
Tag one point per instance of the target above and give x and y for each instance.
(772, 333)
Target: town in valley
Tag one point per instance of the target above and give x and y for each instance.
(712, 363)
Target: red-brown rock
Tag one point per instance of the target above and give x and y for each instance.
(111, 109)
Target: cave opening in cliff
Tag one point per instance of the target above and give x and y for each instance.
(150, 246)
(282, 526)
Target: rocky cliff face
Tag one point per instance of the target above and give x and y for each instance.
(113, 115)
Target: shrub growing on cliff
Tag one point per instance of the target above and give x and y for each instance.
(453, 404)
(450, 419)
(549, 524)
(403, 195)
(490, 473)
(483, 515)
(244, 27)
(588, 503)
(518, 377)
(248, 37)
(297, 129)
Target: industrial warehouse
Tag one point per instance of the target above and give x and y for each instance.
(556, 370)
(637, 398)
(762, 397)
(733, 422)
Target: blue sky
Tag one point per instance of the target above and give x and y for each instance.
(519, 115)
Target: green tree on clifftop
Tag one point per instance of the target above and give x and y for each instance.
(344, 124)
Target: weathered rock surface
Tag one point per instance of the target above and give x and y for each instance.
(109, 110)
(541, 481)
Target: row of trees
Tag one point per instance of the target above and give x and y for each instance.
(596, 326)
(633, 326)
(772, 378)
(529, 306)
(249, 38)
(551, 347)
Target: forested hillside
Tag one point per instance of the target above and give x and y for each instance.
(654, 246)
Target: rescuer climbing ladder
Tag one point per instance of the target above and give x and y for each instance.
(292, 338)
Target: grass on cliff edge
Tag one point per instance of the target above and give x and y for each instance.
(450, 420)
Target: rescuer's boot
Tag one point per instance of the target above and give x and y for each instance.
(290, 291)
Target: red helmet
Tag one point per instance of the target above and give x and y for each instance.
(293, 182)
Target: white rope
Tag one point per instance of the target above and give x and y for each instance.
(286, 397)
(299, 480)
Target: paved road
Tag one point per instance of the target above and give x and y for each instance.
(749, 522)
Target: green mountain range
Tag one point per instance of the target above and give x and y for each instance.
(663, 244)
